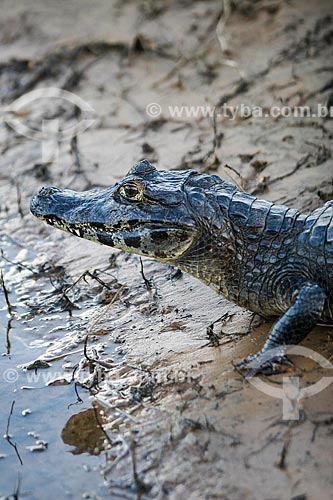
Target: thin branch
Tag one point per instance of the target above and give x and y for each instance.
(94, 360)
(137, 481)
(19, 265)
(303, 161)
(8, 329)
(101, 426)
(7, 435)
(5, 291)
(147, 282)
(76, 154)
(281, 464)
(19, 199)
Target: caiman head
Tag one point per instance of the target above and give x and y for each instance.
(161, 214)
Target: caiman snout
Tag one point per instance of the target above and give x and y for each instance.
(44, 192)
(44, 201)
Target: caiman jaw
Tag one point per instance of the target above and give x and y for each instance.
(149, 239)
(162, 241)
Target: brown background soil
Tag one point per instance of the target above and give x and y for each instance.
(199, 430)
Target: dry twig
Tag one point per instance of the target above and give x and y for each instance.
(7, 436)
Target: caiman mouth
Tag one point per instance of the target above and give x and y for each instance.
(78, 228)
(164, 241)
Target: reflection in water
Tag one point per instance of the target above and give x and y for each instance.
(84, 432)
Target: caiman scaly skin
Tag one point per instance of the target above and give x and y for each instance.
(268, 258)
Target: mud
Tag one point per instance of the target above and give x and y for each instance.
(177, 420)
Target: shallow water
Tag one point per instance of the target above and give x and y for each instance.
(58, 439)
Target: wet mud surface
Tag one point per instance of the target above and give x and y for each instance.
(129, 390)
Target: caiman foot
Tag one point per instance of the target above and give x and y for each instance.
(262, 364)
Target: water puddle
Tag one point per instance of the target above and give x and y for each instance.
(51, 436)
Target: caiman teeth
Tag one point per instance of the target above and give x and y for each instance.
(62, 225)
(72, 230)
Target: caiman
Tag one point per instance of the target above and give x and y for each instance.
(268, 258)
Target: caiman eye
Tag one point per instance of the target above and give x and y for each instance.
(131, 191)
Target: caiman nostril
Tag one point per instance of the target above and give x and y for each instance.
(46, 191)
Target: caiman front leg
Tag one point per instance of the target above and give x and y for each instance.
(292, 327)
